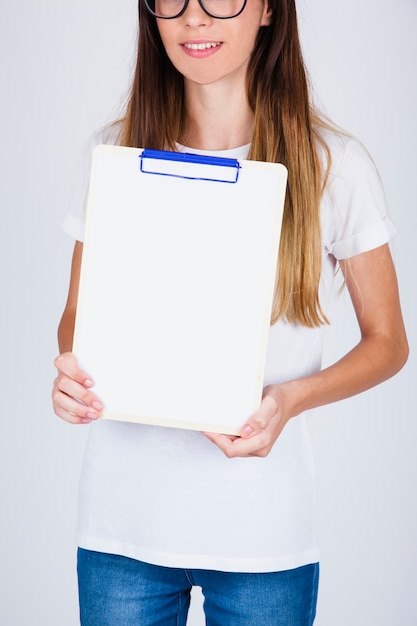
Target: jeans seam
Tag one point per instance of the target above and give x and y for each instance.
(314, 594)
(180, 607)
(189, 577)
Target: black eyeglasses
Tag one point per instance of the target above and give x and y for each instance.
(219, 9)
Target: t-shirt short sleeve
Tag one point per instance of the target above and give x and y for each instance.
(355, 216)
(74, 219)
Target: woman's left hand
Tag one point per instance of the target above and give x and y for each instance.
(380, 353)
(260, 432)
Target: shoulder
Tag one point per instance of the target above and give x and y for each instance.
(346, 157)
(354, 211)
(74, 218)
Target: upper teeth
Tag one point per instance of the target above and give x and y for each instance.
(201, 46)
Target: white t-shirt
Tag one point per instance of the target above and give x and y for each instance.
(170, 497)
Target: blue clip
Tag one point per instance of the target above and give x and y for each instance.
(196, 165)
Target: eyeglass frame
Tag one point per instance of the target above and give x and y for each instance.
(184, 8)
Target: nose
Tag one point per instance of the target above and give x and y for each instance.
(195, 15)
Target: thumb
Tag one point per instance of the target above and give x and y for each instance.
(67, 363)
(261, 418)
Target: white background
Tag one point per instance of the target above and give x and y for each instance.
(65, 68)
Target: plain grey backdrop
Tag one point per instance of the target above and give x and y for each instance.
(65, 68)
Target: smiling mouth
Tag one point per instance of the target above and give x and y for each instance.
(201, 46)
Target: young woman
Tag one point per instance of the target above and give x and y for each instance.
(163, 509)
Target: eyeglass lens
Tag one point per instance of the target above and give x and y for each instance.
(222, 9)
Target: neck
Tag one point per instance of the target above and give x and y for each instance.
(218, 117)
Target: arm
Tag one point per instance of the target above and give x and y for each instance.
(72, 399)
(380, 353)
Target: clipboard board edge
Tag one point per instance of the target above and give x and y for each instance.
(283, 172)
(197, 426)
(154, 421)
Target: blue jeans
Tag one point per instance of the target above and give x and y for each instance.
(118, 591)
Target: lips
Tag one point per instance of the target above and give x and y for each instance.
(201, 45)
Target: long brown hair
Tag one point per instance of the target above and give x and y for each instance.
(287, 130)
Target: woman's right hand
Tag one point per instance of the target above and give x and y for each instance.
(72, 397)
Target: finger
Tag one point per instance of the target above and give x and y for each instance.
(217, 437)
(261, 418)
(65, 385)
(71, 417)
(221, 441)
(68, 365)
(259, 445)
(66, 405)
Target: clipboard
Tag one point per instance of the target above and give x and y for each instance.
(176, 286)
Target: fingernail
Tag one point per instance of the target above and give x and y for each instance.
(85, 420)
(247, 431)
(92, 416)
(88, 383)
(97, 405)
